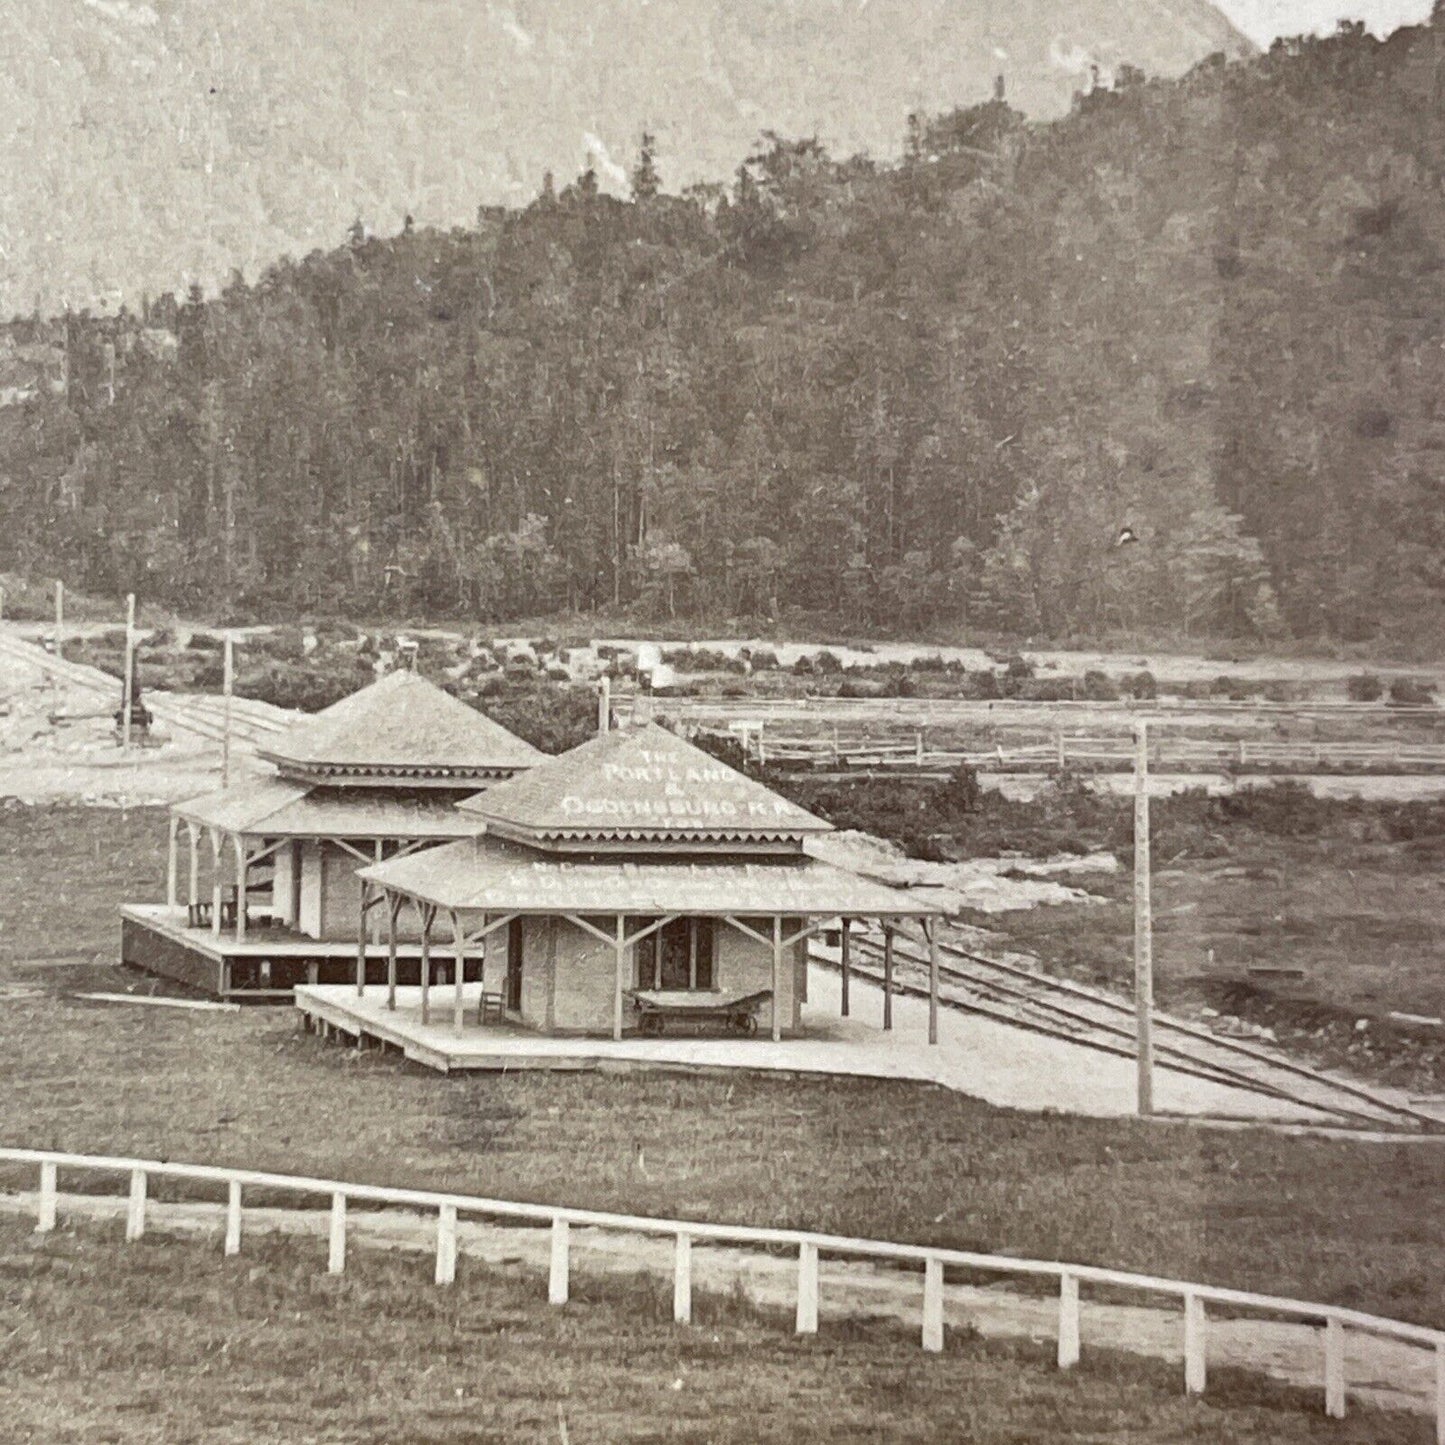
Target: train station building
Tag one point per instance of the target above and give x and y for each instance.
(632, 885)
(268, 895)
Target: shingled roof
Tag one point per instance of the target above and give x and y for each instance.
(404, 731)
(647, 788)
(277, 809)
(489, 875)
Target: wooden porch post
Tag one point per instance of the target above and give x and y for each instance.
(392, 910)
(216, 882)
(931, 929)
(361, 939)
(846, 962)
(172, 840)
(377, 925)
(621, 952)
(460, 949)
(427, 914)
(194, 897)
(887, 975)
(777, 975)
(243, 870)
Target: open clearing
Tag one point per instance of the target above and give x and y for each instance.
(1343, 1222)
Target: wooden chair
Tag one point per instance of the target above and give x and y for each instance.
(490, 1009)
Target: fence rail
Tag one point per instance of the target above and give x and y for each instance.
(1089, 752)
(955, 709)
(808, 1246)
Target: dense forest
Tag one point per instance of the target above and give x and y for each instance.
(926, 394)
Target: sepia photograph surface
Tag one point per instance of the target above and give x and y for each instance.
(722, 722)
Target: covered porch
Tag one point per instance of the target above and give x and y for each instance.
(598, 947)
(265, 966)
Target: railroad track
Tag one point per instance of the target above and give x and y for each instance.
(1061, 1009)
(198, 713)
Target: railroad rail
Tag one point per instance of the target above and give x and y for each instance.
(202, 714)
(807, 1246)
(1060, 1008)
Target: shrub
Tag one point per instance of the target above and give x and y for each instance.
(1364, 687)
(932, 663)
(803, 667)
(1046, 689)
(827, 661)
(764, 660)
(1142, 685)
(285, 644)
(863, 687)
(1099, 686)
(558, 674)
(1412, 692)
(962, 793)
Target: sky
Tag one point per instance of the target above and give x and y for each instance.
(1263, 20)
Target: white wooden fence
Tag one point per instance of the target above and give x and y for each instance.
(809, 1247)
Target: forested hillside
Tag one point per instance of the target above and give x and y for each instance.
(145, 144)
(1209, 309)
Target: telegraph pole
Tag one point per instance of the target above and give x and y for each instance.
(1143, 923)
(228, 677)
(128, 685)
(604, 703)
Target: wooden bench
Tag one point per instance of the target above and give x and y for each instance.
(657, 1008)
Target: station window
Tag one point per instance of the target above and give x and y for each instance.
(679, 955)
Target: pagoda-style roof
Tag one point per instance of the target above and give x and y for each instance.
(644, 790)
(403, 732)
(490, 875)
(275, 808)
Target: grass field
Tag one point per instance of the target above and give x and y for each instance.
(1343, 1222)
(165, 1341)
(1308, 936)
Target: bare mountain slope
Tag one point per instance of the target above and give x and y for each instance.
(144, 143)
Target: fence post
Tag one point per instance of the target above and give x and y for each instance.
(135, 1213)
(557, 1276)
(807, 1322)
(1060, 758)
(682, 1281)
(233, 1218)
(1068, 1321)
(1334, 1369)
(1440, 1393)
(933, 1304)
(446, 1244)
(45, 1209)
(336, 1258)
(1195, 1368)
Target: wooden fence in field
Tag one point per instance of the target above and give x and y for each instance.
(892, 753)
(808, 1248)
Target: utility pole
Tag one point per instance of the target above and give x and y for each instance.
(228, 677)
(1143, 923)
(604, 704)
(128, 685)
(59, 618)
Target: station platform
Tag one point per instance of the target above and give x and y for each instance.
(1004, 1065)
(265, 967)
